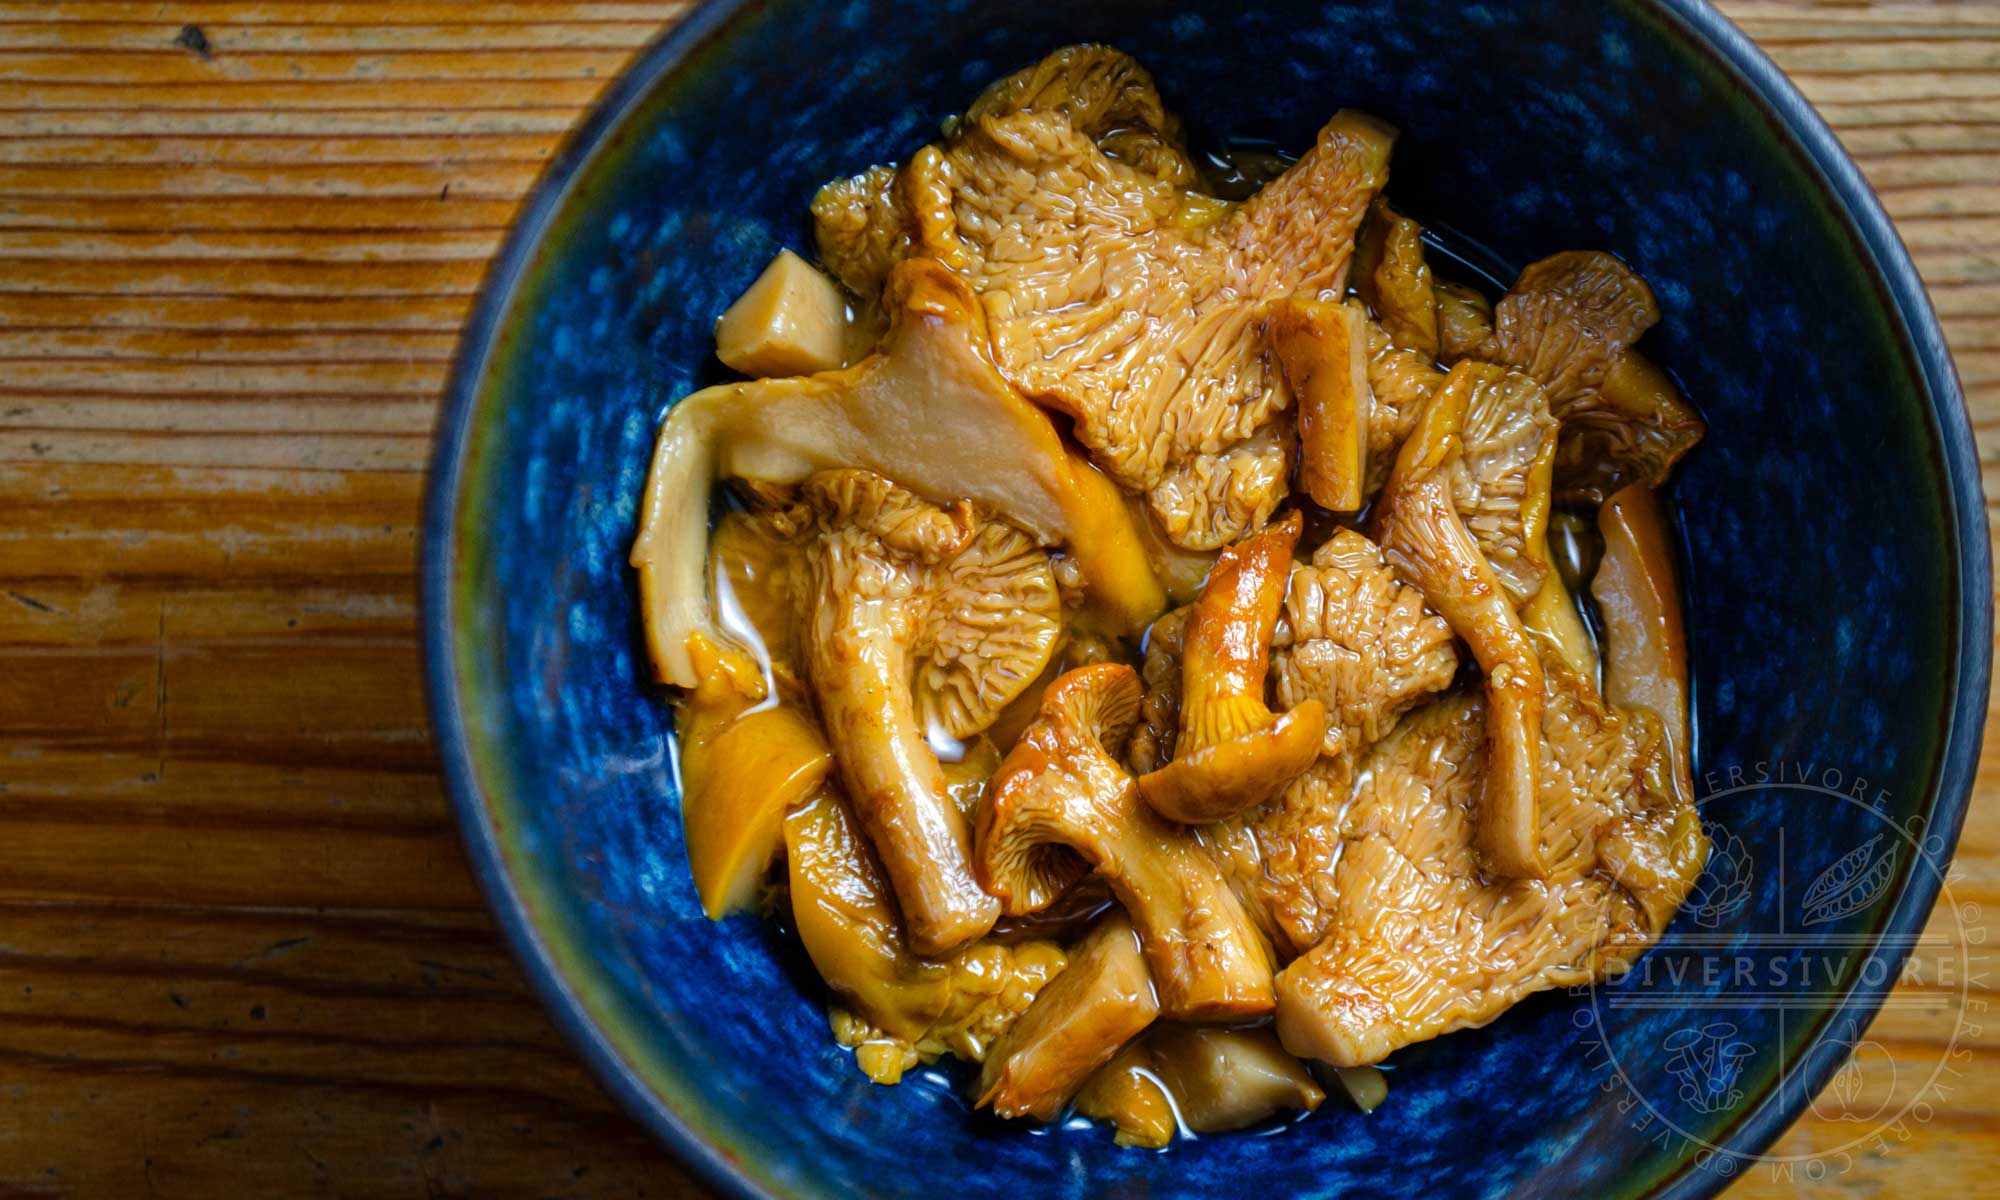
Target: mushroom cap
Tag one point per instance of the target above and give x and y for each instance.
(1242, 772)
(1060, 786)
(1501, 486)
(1566, 318)
(991, 623)
(1233, 753)
(1570, 321)
(1360, 641)
(980, 603)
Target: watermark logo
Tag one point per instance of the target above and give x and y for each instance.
(1786, 922)
(1724, 888)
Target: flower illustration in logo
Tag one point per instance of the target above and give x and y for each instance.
(1858, 880)
(1724, 888)
(1705, 1063)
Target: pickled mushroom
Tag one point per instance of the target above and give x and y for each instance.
(920, 619)
(910, 1006)
(1102, 999)
(1063, 196)
(744, 765)
(1394, 281)
(1423, 941)
(1062, 805)
(791, 321)
(1323, 348)
(1202, 1080)
(1233, 753)
(1426, 542)
(1570, 321)
(1645, 645)
(928, 411)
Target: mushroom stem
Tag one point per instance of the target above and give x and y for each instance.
(1233, 753)
(1645, 644)
(1062, 789)
(1426, 542)
(861, 669)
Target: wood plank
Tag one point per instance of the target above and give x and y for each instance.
(235, 923)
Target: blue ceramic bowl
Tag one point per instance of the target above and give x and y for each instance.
(1835, 535)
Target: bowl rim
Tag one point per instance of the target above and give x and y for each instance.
(1706, 30)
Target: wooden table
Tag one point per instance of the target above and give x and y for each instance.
(239, 952)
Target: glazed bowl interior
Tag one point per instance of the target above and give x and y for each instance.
(1835, 567)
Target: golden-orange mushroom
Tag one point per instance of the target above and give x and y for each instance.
(1427, 543)
(929, 411)
(1103, 999)
(1323, 348)
(1062, 805)
(1645, 644)
(1233, 753)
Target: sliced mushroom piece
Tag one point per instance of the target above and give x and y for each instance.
(1501, 485)
(791, 320)
(1224, 1079)
(1198, 1079)
(1465, 320)
(1393, 279)
(1062, 805)
(1645, 643)
(1102, 999)
(1233, 753)
(1425, 540)
(919, 1007)
(920, 621)
(1570, 321)
(744, 765)
(1128, 1093)
(1367, 1087)
(929, 411)
(1323, 348)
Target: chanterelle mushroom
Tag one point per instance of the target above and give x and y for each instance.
(921, 620)
(1353, 637)
(1061, 804)
(1394, 281)
(927, 410)
(1501, 484)
(1570, 321)
(1424, 538)
(1203, 1080)
(1233, 753)
(1119, 296)
(1421, 941)
(1103, 999)
(901, 1007)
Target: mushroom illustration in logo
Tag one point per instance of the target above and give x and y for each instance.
(1705, 1062)
(1724, 887)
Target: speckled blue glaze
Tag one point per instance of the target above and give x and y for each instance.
(1834, 527)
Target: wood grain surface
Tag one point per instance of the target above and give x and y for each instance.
(240, 954)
